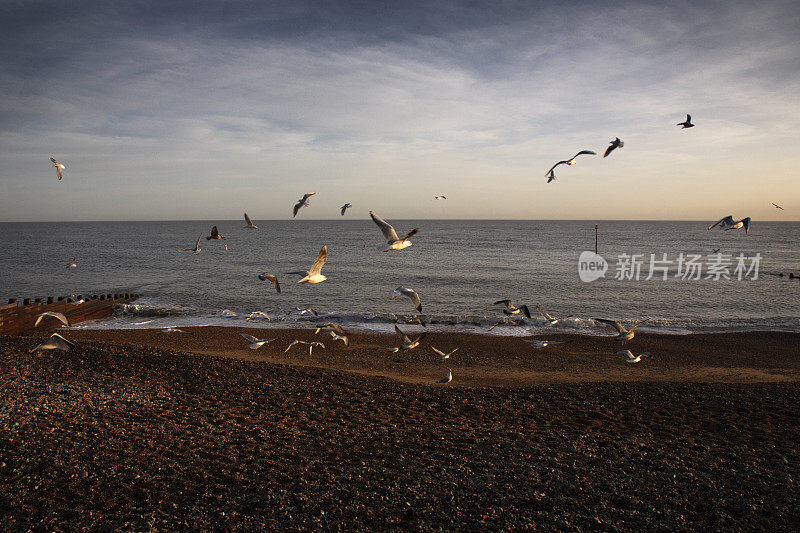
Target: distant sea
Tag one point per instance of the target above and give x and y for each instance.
(459, 268)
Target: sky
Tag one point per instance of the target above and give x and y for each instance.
(204, 110)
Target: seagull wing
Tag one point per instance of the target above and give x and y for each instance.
(746, 223)
(438, 351)
(616, 325)
(584, 152)
(548, 317)
(525, 311)
(688, 118)
(402, 335)
(609, 150)
(54, 314)
(307, 195)
(297, 207)
(249, 338)
(508, 303)
(547, 174)
(388, 231)
(336, 328)
(414, 297)
(271, 277)
(638, 324)
(410, 234)
(197, 244)
(316, 268)
(344, 208)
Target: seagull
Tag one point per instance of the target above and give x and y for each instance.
(257, 314)
(55, 342)
(447, 379)
(73, 264)
(214, 234)
(777, 206)
(314, 273)
(307, 310)
(715, 250)
(634, 358)
(171, 329)
(53, 314)
(227, 313)
(624, 334)
(727, 223)
(616, 143)
(342, 338)
(302, 202)
(550, 175)
(264, 276)
(345, 206)
(196, 248)
(505, 321)
(443, 355)
(255, 343)
(440, 197)
(687, 123)
(336, 328)
(408, 344)
(543, 344)
(511, 310)
(310, 345)
(394, 242)
(411, 294)
(59, 167)
(550, 319)
(249, 222)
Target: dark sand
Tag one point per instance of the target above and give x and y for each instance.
(126, 432)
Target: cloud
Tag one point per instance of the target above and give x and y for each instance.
(340, 95)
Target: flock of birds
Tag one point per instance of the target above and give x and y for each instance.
(395, 243)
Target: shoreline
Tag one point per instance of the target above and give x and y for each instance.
(493, 360)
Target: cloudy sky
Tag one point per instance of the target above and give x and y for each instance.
(203, 110)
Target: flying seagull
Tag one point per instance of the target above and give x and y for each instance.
(447, 379)
(342, 338)
(616, 143)
(506, 321)
(314, 273)
(777, 206)
(408, 344)
(543, 344)
(249, 222)
(59, 167)
(440, 197)
(727, 223)
(171, 329)
(624, 334)
(410, 294)
(550, 319)
(442, 355)
(633, 358)
(715, 250)
(307, 310)
(687, 123)
(55, 342)
(264, 276)
(345, 206)
(311, 345)
(302, 202)
(196, 248)
(550, 175)
(512, 310)
(214, 234)
(255, 343)
(257, 314)
(53, 314)
(390, 234)
(336, 328)
(73, 264)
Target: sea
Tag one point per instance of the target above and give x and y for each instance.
(458, 267)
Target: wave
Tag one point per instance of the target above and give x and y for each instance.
(127, 314)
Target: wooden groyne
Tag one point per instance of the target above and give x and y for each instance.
(18, 318)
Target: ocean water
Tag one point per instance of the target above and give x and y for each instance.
(459, 268)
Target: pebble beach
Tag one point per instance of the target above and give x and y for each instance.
(135, 430)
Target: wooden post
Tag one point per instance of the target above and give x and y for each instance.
(12, 300)
(49, 299)
(595, 238)
(37, 300)
(26, 301)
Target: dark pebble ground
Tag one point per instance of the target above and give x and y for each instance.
(116, 437)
